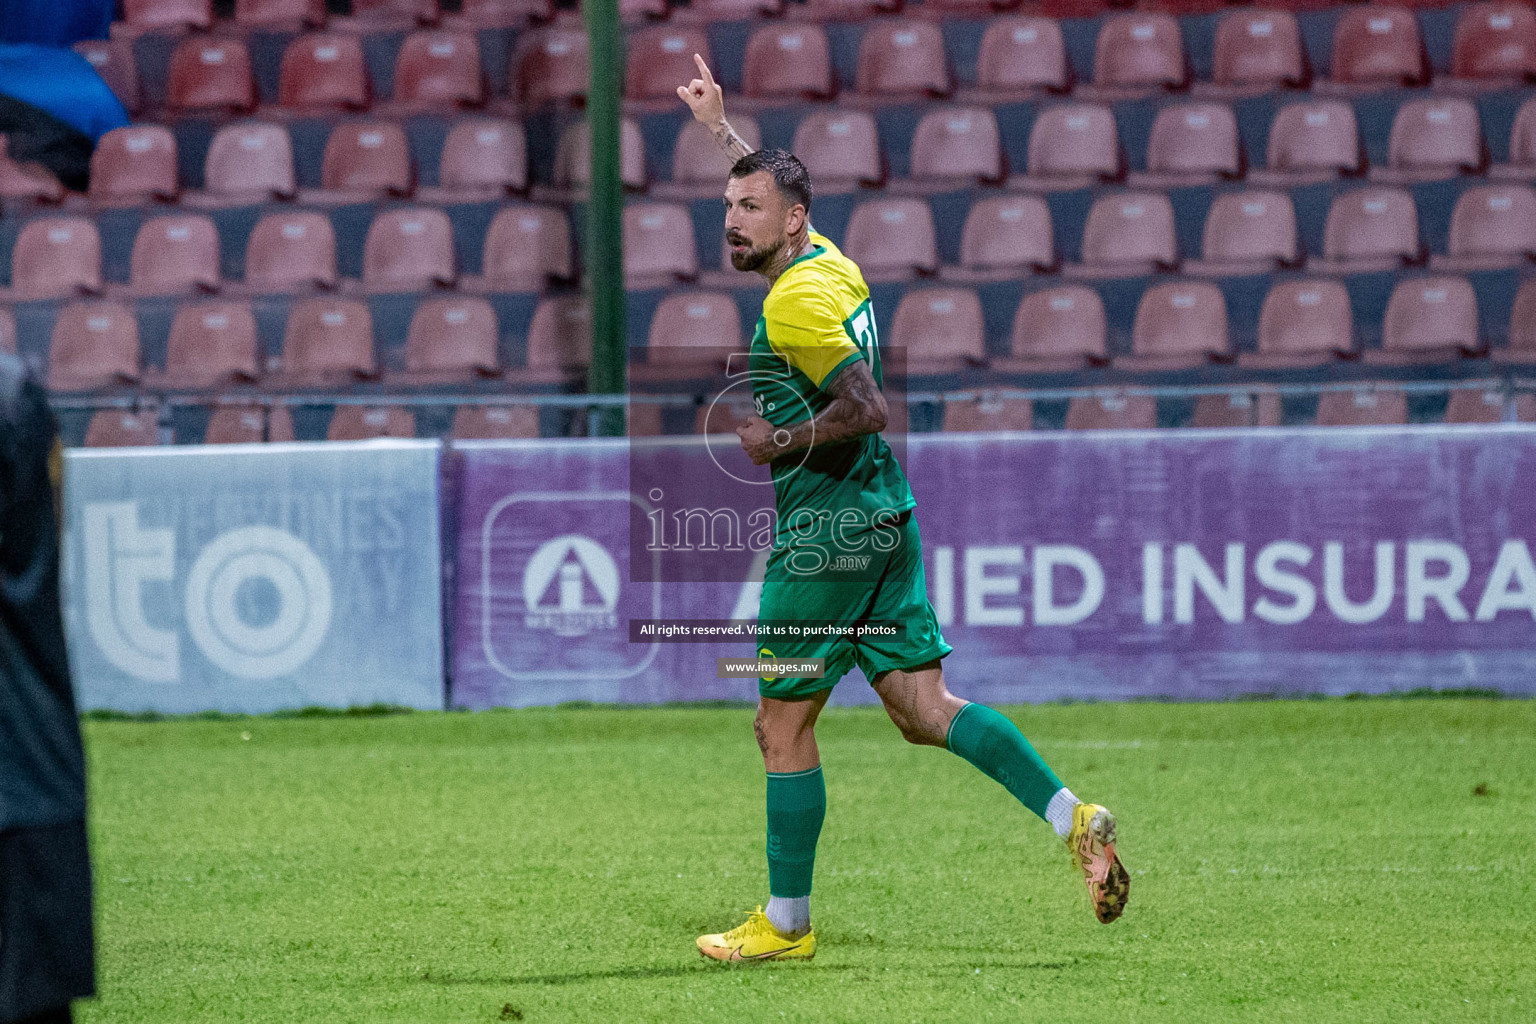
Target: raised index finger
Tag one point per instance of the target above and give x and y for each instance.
(709, 79)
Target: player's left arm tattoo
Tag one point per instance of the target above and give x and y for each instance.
(734, 146)
(857, 408)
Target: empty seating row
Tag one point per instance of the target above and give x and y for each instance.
(235, 423)
(140, 16)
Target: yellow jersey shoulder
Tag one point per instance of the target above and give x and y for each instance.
(820, 276)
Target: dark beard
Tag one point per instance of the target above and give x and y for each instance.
(754, 260)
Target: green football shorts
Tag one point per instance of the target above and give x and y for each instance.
(890, 586)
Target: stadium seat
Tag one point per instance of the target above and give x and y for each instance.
(123, 428)
(1492, 226)
(155, 15)
(1522, 327)
(291, 252)
(1312, 141)
(526, 247)
(409, 250)
(903, 58)
(1179, 325)
(841, 149)
(7, 330)
(892, 239)
(379, 16)
(692, 334)
(366, 159)
(494, 422)
(1432, 139)
(1126, 235)
(849, 10)
(328, 340)
(1362, 407)
(279, 15)
(633, 11)
(55, 257)
(325, 69)
(1139, 53)
(1057, 329)
(1073, 146)
(699, 166)
(1257, 50)
(957, 146)
(1236, 409)
(1475, 405)
(1429, 319)
(1121, 411)
(1303, 323)
(709, 12)
(549, 66)
(453, 338)
(1191, 144)
(786, 62)
(1247, 233)
(114, 61)
(643, 420)
(210, 74)
(238, 424)
(1521, 164)
(559, 347)
(1495, 45)
(1370, 229)
(503, 14)
(174, 254)
(94, 345)
(940, 331)
(134, 165)
(658, 245)
(1020, 55)
(659, 59)
(1005, 237)
(362, 423)
(988, 411)
(249, 162)
(27, 180)
(211, 344)
(1377, 46)
(573, 157)
(482, 158)
(439, 68)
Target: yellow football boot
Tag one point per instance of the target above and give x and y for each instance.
(757, 939)
(1092, 844)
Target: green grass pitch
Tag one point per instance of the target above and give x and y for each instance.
(1309, 861)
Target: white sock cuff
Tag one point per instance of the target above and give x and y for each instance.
(1059, 811)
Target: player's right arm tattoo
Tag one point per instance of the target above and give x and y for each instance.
(734, 145)
(857, 407)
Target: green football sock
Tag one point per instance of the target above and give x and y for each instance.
(797, 804)
(992, 743)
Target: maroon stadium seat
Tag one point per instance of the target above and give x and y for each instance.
(573, 158)
(526, 247)
(1362, 407)
(549, 66)
(1179, 325)
(237, 424)
(1239, 409)
(114, 61)
(841, 149)
(1072, 146)
(211, 343)
(1474, 405)
(892, 239)
(957, 146)
(408, 250)
(1522, 146)
(249, 162)
(1492, 226)
(361, 423)
(94, 345)
(325, 69)
(1004, 237)
(1139, 53)
(903, 58)
(692, 334)
(1522, 327)
(1057, 329)
(439, 68)
(559, 341)
(1258, 50)
(516, 14)
(1377, 46)
(1371, 229)
(1192, 144)
(940, 330)
(123, 428)
(175, 253)
(27, 180)
(482, 158)
(56, 256)
(1021, 54)
(277, 15)
(151, 15)
(135, 164)
(453, 338)
(1112, 412)
(1495, 44)
(699, 166)
(1312, 141)
(788, 62)
(1429, 319)
(988, 412)
(632, 11)
(210, 74)
(658, 245)
(494, 422)
(849, 10)
(1247, 233)
(1434, 138)
(1303, 323)
(368, 158)
(389, 15)
(291, 252)
(659, 59)
(711, 11)
(328, 339)
(1128, 234)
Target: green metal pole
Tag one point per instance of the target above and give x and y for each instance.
(605, 223)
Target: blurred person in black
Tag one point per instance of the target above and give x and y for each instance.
(46, 942)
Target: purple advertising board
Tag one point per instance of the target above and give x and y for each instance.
(1179, 564)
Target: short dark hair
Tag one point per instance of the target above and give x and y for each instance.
(789, 174)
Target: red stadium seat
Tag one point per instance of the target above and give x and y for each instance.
(1492, 226)
(453, 339)
(1522, 324)
(369, 158)
(482, 158)
(1377, 46)
(1522, 146)
(988, 412)
(152, 15)
(1072, 146)
(1303, 323)
(389, 15)
(249, 163)
(849, 10)
(494, 422)
(1005, 237)
(1179, 325)
(559, 341)
(1057, 329)
(439, 68)
(1312, 141)
(659, 59)
(29, 180)
(516, 14)
(573, 158)
(711, 11)
(211, 343)
(788, 62)
(841, 149)
(1258, 50)
(277, 15)
(1192, 144)
(1127, 235)
(408, 250)
(700, 167)
(957, 146)
(238, 424)
(632, 11)
(136, 164)
(526, 247)
(903, 58)
(1139, 53)
(892, 239)
(1241, 409)
(692, 334)
(176, 253)
(1362, 407)
(329, 339)
(1248, 233)
(1495, 44)
(114, 61)
(210, 74)
(1429, 319)
(361, 423)
(123, 428)
(325, 69)
(549, 66)
(1112, 412)
(94, 345)
(55, 257)
(941, 330)
(658, 245)
(1020, 55)
(291, 252)
(1434, 138)
(1371, 229)
(1468, 405)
